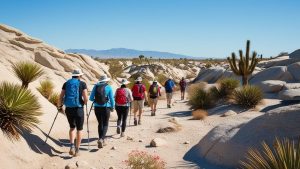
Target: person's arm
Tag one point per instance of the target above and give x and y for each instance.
(85, 96)
(61, 97)
(111, 97)
(145, 93)
(92, 96)
(130, 98)
(159, 94)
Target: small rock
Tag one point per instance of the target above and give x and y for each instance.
(111, 168)
(82, 163)
(114, 148)
(71, 166)
(186, 142)
(158, 142)
(174, 120)
(140, 140)
(129, 138)
(229, 113)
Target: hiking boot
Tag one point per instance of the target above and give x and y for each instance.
(118, 130)
(100, 144)
(135, 122)
(140, 122)
(152, 113)
(122, 134)
(104, 143)
(72, 151)
(77, 153)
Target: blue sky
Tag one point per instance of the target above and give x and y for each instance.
(204, 28)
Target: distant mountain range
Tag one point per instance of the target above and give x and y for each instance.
(127, 53)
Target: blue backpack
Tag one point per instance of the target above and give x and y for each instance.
(72, 93)
(168, 86)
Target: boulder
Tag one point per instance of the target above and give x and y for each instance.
(289, 95)
(294, 70)
(295, 54)
(158, 142)
(229, 113)
(272, 73)
(291, 86)
(271, 86)
(47, 60)
(227, 143)
(210, 75)
(67, 65)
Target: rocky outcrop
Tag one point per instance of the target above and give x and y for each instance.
(294, 70)
(210, 75)
(273, 73)
(271, 86)
(295, 54)
(227, 143)
(289, 95)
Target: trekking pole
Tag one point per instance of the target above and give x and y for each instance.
(51, 127)
(130, 113)
(87, 123)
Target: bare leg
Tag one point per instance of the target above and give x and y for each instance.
(72, 135)
(79, 137)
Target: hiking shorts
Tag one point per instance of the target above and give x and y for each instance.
(153, 100)
(75, 116)
(138, 105)
(169, 96)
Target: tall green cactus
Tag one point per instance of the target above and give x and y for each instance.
(246, 65)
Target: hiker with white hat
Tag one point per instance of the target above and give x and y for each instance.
(123, 98)
(103, 99)
(139, 95)
(169, 87)
(154, 93)
(74, 100)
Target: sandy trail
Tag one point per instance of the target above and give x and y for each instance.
(176, 154)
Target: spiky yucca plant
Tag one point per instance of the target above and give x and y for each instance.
(27, 72)
(225, 88)
(46, 88)
(245, 66)
(19, 110)
(248, 96)
(54, 98)
(284, 154)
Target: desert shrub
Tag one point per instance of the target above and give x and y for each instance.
(248, 96)
(201, 99)
(27, 72)
(225, 88)
(46, 88)
(194, 87)
(19, 110)
(199, 114)
(141, 159)
(208, 65)
(161, 78)
(54, 98)
(284, 154)
(166, 129)
(115, 68)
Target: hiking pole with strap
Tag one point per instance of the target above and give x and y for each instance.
(87, 123)
(51, 127)
(130, 113)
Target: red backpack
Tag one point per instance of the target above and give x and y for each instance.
(137, 92)
(121, 97)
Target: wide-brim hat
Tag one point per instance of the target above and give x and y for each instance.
(139, 79)
(77, 72)
(104, 78)
(124, 82)
(154, 81)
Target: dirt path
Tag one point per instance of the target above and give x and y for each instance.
(175, 153)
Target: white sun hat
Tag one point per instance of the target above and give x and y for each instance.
(77, 72)
(125, 82)
(139, 79)
(104, 78)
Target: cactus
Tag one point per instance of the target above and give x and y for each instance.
(246, 65)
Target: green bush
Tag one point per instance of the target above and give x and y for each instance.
(225, 88)
(201, 99)
(141, 159)
(248, 96)
(283, 154)
(19, 110)
(46, 88)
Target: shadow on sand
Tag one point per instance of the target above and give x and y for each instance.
(180, 114)
(281, 104)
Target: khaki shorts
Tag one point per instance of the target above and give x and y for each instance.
(169, 96)
(153, 101)
(138, 105)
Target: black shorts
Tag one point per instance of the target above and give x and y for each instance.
(75, 116)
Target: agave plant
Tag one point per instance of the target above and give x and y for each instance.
(19, 110)
(46, 88)
(27, 72)
(284, 154)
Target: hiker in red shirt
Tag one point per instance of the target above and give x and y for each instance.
(154, 93)
(139, 95)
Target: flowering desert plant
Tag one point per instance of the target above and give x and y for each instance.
(141, 159)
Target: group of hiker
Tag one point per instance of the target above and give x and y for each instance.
(74, 96)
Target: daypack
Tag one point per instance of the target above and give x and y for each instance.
(71, 98)
(100, 97)
(168, 86)
(153, 91)
(121, 97)
(137, 92)
(182, 83)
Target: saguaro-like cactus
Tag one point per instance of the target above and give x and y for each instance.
(245, 66)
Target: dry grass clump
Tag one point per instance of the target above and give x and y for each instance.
(199, 97)
(284, 154)
(54, 98)
(46, 88)
(199, 114)
(225, 88)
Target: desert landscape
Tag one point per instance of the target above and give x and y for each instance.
(214, 127)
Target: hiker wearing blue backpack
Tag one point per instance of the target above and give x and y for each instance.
(169, 87)
(123, 98)
(74, 97)
(103, 100)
